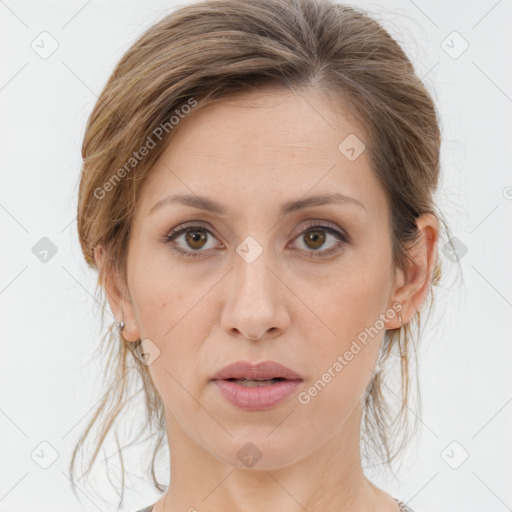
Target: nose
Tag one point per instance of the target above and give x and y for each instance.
(255, 301)
(251, 337)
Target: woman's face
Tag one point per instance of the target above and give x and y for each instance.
(261, 283)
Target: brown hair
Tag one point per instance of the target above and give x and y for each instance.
(205, 52)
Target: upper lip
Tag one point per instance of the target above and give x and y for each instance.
(263, 370)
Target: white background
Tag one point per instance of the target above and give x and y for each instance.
(49, 323)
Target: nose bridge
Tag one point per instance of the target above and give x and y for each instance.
(253, 306)
(251, 269)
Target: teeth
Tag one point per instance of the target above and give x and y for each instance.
(255, 383)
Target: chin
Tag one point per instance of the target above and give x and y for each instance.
(260, 449)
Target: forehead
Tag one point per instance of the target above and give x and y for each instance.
(264, 145)
(271, 122)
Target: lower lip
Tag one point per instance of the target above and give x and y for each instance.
(257, 398)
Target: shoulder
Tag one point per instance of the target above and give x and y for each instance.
(147, 509)
(403, 507)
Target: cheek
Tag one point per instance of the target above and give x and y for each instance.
(167, 310)
(157, 292)
(348, 331)
(349, 303)
(343, 367)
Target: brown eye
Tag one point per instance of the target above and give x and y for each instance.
(193, 240)
(316, 236)
(196, 239)
(314, 239)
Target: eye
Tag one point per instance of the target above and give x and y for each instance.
(316, 235)
(195, 236)
(313, 237)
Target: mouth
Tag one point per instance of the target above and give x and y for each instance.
(254, 394)
(256, 383)
(266, 371)
(256, 387)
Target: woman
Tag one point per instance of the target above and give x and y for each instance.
(257, 197)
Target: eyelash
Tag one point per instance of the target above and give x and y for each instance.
(342, 239)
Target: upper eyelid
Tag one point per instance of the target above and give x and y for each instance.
(182, 228)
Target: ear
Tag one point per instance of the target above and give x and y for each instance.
(412, 285)
(118, 298)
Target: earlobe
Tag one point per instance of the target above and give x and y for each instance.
(129, 334)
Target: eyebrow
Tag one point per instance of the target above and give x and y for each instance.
(205, 203)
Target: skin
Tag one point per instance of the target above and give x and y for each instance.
(252, 153)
